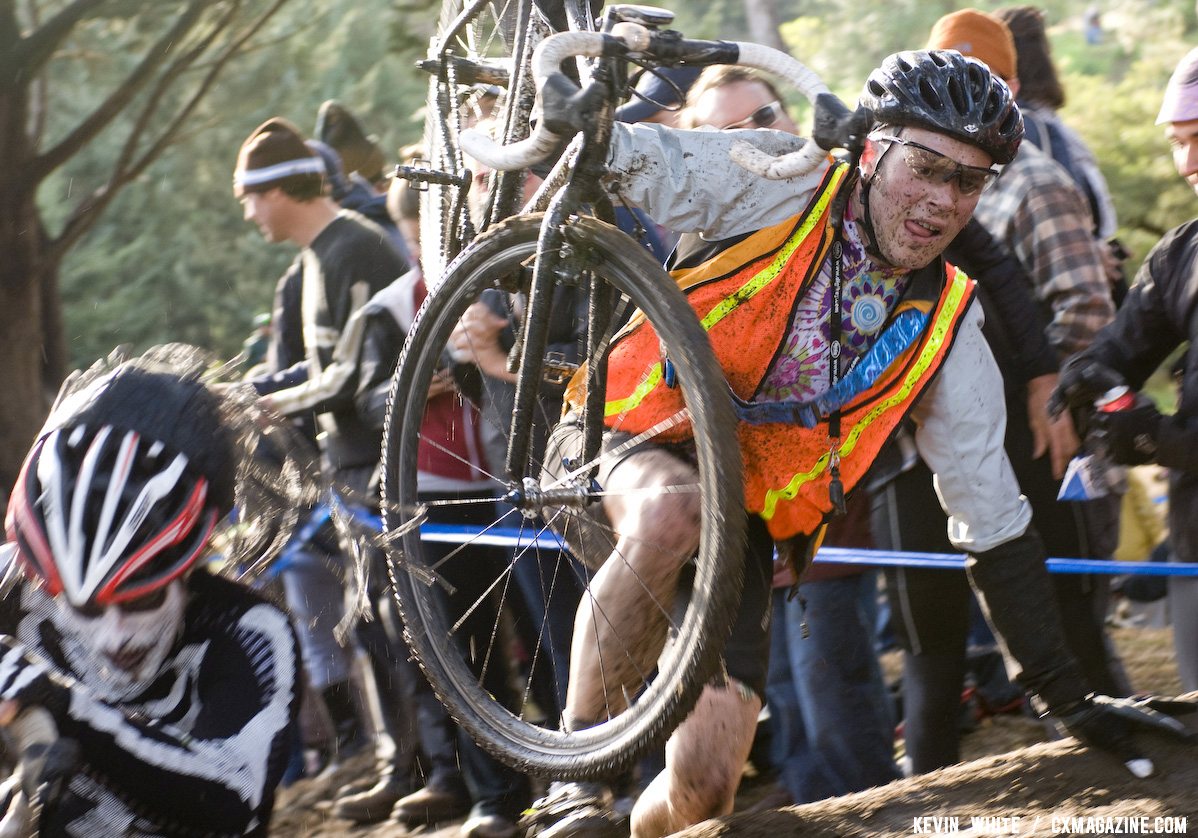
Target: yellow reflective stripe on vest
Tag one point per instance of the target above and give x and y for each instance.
(750, 289)
(770, 272)
(629, 403)
(931, 348)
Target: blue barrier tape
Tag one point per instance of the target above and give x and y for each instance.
(953, 561)
(516, 538)
(299, 541)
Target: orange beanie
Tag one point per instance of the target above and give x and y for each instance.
(979, 34)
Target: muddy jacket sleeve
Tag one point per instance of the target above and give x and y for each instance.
(960, 423)
(686, 181)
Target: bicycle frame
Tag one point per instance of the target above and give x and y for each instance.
(451, 71)
(556, 262)
(644, 691)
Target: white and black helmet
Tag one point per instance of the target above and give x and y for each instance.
(123, 486)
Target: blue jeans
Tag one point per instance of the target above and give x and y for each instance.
(833, 723)
(316, 597)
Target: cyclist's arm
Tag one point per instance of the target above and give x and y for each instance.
(960, 424)
(686, 181)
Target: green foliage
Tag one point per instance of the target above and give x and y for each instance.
(172, 259)
(1116, 120)
(723, 18)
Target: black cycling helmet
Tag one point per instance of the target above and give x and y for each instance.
(944, 91)
(123, 487)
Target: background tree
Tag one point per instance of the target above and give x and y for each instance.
(762, 16)
(100, 95)
(174, 260)
(170, 54)
(170, 258)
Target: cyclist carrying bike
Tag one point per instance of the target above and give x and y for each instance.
(863, 321)
(178, 687)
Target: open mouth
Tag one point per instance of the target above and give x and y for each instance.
(128, 660)
(922, 230)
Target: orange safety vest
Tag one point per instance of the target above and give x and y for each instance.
(744, 297)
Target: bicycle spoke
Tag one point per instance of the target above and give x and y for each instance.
(647, 663)
(622, 448)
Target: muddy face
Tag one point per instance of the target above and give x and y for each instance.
(915, 217)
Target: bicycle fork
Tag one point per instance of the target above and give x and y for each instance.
(557, 262)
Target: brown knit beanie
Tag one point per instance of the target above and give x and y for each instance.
(980, 35)
(275, 156)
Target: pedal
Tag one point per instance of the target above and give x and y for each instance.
(420, 176)
(468, 71)
(557, 369)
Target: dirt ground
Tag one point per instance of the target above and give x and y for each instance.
(1015, 780)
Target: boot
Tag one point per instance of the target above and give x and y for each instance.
(374, 804)
(443, 799)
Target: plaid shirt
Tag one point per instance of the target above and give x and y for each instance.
(1037, 211)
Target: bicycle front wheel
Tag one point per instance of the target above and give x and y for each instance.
(483, 601)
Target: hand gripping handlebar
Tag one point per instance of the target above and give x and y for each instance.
(33, 738)
(562, 99)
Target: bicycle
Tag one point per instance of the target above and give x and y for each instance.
(478, 61)
(518, 270)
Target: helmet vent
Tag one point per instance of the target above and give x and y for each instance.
(945, 92)
(959, 96)
(930, 95)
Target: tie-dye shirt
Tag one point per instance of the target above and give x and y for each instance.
(869, 295)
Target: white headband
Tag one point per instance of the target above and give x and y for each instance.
(303, 166)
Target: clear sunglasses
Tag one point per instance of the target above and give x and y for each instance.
(930, 165)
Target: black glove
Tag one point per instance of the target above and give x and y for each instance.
(28, 680)
(1014, 588)
(1131, 434)
(1107, 724)
(1081, 381)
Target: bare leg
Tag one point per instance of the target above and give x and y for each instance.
(622, 620)
(704, 760)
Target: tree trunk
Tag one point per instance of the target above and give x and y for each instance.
(24, 402)
(762, 16)
(54, 342)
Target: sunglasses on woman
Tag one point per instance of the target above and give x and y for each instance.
(930, 165)
(763, 117)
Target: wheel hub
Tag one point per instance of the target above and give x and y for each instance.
(533, 500)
